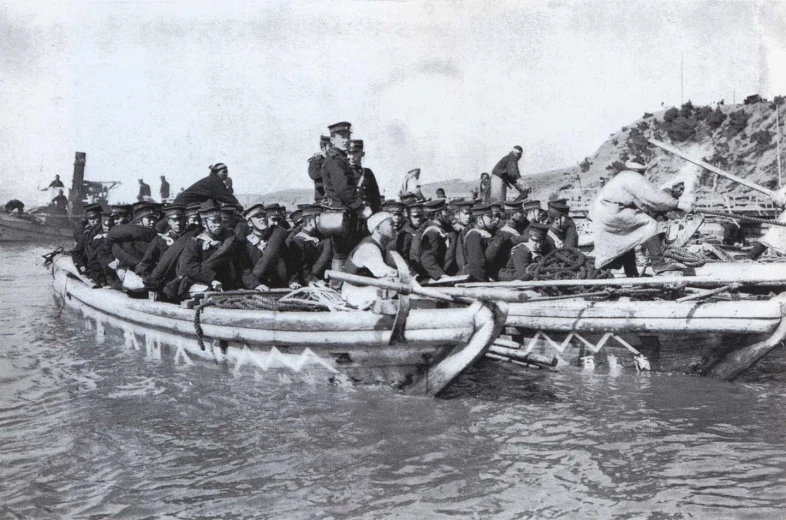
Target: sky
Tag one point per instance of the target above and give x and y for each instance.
(150, 88)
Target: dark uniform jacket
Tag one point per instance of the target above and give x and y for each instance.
(79, 253)
(404, 240)
(144, 190)
(459, 254)
(210, 187)
(433, 261)
(520, 259)
(339, 181)
(129, 242)
(154, 252)
(507, 168)
(164, 191)
(368, 189)
(204, 260)
(476, 242)
(499, 248)
(567, 238)
(99, 256)
(264, 259)
(165, 271)
(309, 258)
(315, 172)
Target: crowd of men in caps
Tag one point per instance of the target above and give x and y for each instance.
(205, 241)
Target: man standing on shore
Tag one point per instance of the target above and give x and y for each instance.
(506, 172)
(144, 192)
(164, 190)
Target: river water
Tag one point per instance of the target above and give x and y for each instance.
(90, 428)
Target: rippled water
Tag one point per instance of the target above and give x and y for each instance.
(93, 429)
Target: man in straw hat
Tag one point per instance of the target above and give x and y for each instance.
(621, 220)
(369, 258)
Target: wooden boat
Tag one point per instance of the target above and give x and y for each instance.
(31, 228)
(435, 346)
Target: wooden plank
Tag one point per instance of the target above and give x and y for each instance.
(619, 325)
(768, 309)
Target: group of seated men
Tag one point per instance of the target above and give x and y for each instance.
(177, 250)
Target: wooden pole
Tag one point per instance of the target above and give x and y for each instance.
(713, 169)
(778, 141)
(742, 359)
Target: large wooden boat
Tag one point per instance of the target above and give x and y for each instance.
(434, 346)
(30, 228)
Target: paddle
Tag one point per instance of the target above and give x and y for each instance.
(389, 285)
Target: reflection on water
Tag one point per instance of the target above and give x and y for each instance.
(92, 428)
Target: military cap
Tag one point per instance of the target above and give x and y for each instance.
(558, 208)
(482, 209)
(296, 216)
(530, 205)
(304, 206)
(175, 210)
(393, 206)
(121, 209)
(513, 205)
(106, 215)
(496, 207)
(93, 209)
(324, 140)
(253, 211)
(408, 199)
(209, 208)
(356, 145)
(434, 205)
(144, 210)
(275, 206)
(227, 207)
(273, 211)
(462, 204)
(415, 209)
(538, 231)
(311, 210)
(342, 126)
(192, 209)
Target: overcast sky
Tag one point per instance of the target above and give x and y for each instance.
(170, 87)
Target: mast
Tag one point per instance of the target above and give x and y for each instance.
(76, 196)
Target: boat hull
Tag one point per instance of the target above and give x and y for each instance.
(29, 229)
(353, 346)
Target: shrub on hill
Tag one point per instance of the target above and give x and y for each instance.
(716, 119)
(702, 113)
(777, 101)
(738, 121)
(670, 115)
(585, 165)
(681, 129)
(761, 138)
(687, 109)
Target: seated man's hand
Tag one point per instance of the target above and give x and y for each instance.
(216, 285)
(294, 286)
(262, 288)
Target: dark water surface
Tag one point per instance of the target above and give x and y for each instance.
(90, 428)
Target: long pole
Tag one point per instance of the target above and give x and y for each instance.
(682, 80)
(778, 141)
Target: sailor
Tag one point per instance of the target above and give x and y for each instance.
(296, 217)
(506, 172)
(397, 210)
(476, 241)
(433, 262)
(99, 255)
(498, 252)
(209, 261)
(57, 183)
(462, 225)
(60, 203)
(164, 274)
(368, 189)
(562, 229)
(144, 192)
(275, 216)
(369, 259)
(230, 215)
(211, 187)
(533, 212)
(265, 256)
(341, 193)
(309, 253)
(484, 188)
(315, 167)
(525, 253)
(416, 217)
(410, 188)
(621, 221)
(164, 191)
(121, 214)
(176, 223)
(129, 242)
(81, 236)
(192, 215)
(496, 216)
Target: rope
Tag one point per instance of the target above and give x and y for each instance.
(685, 257)
(739, 216)
(197, 321)
(565, 264)
(50, 257)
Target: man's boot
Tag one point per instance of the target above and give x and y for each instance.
(659, 263)
(523, 189)
(756, 252)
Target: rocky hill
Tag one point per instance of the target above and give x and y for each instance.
(740, 139)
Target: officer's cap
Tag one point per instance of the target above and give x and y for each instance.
(530, 205)
(144, 210)
(93, 210)
(312, 210)
(393, 206)
(558, 208)
(121, 209)
(482, 209)
(175, 210)
(538, 231)
(415, 209)
(342, 126)
(209, 208)
(324, 140)
(356, 145)
(192, 209)
(434, 205)
(254, 211)
(513, 206)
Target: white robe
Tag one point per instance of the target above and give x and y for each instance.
(775, 237)
(619, 214)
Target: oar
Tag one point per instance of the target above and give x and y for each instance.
(388, 285)
(707, 294)
(713, 169)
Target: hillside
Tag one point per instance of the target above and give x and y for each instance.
(740, 139)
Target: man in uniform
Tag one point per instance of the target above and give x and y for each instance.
(562, 229)
(144, 192)
(533, 212)
(369, 259)
(57, 183)
(265, 255)
(176, 223)
(60, 203)
(341, 194)
(524, 254)
(433, 261)
(462, 224)
(192, 215)
(211, 187)
(129, 242)
(397, 211)
(498, 252)
(164, 191)
(476, 241)
(368, 189)
(315, 167)
(81, 236)
(309, 253)
(121, 214)
(416, 217)
(209, 261)
(506, 172)
(99, 255)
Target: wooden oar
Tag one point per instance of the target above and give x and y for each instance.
(713, 169)
(388, 285)
(741, 360)
(707, 294)
(721, 279)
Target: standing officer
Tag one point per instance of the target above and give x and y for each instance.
(341, 194)
(315, 167)
(368, 189)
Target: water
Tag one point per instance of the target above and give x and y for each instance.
(97, 430)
